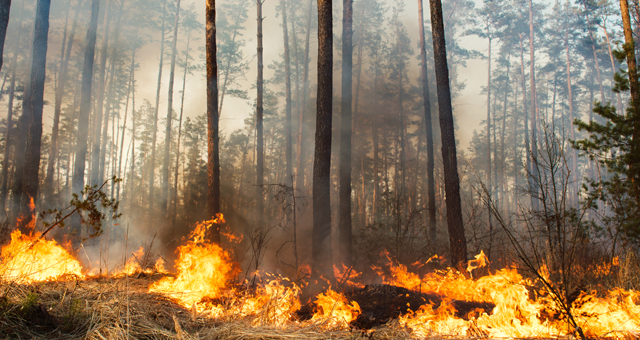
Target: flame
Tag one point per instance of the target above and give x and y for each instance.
(26, 259)
(203, 269)
(347, 276)
(335, 309)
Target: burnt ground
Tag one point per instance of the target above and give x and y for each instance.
(381, 303)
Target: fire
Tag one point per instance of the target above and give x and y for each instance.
(335, 310)
(203, 269)
(27, 259)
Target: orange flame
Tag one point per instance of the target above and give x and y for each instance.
(335, 310)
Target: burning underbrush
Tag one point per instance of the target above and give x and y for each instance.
(46, 294)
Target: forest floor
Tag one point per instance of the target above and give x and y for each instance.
(123, 308)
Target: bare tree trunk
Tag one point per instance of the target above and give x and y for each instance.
(97, 121)
(344, 215)
(126, 108)
(155, 118)
(85, 108)
(287, 71)
(305, 84)
(213, 139)
(613, 64)
(259, 125)
(534, 113)
(457, 239)
(321, 252)
(635, 97)
(574, 154)
(489, 184)
(64, 63)
(32, 111)
(167, 139)
(431, 193)
(8, 137)
(5, 9)
(184, 85)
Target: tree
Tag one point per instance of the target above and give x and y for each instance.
(344, 218)
(32, 111)
(85, 107)
(5, 9)
(96, 179)
(259, 124)
(321, 256)
(167, 140)
(457, 239)
(213, 138)
(431, 192)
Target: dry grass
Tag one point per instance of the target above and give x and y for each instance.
(122, 308)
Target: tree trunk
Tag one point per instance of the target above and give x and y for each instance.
(457, 240)
(167, 139)
(32, 111)
(287, 71)
(184, 85)
(213, 139)
(574, 154)
(64, 63)
(305, 84)
(259, 125)
(344, 216)
(154, 137)
(85, 108)
(5, 9)
(321, 252)
(635, 98)
(613, 64)
(534, 114)
(489, 184)
(431, 193)
(8, 137)
(97, 121)
(126, 108)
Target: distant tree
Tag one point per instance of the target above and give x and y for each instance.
(5, 9)
(259, 123)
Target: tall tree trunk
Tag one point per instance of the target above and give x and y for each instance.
(85, 108)
(635, 99)
(259, 124)
(287, 71)
(574, 154)
(503, 159)
(489, 184)
(167, 139)
(184, 85)
(4, 179)
(595, 59)
(613, 64)
(534, 114)
(457, 239)
(126, 108)
(97, 121)
(62, 79)
(5, 9)
(376, 145)
(154, 137)
(213, 139)
(431, 192)
(344, 216)
(321, 252)
(32, 105)
(305, 84)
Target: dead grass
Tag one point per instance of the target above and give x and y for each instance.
(122, 308)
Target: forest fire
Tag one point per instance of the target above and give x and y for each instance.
(203, 283)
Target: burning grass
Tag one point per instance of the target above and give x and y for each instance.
(44, 294)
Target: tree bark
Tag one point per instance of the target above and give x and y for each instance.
(635, 98)
(489, 184)
(259, 124)
(213, 139)
(287, 70)
(32, 111)
(167, 139)
(457, 239)
(344, 216)
(321, 252)
(305, 84)
(574, 154)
